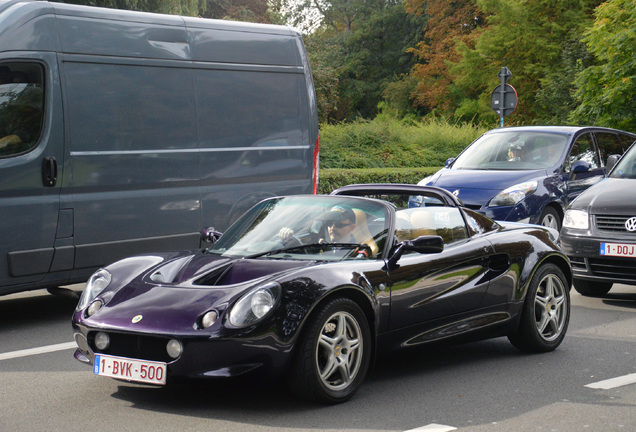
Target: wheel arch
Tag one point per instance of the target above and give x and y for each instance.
(355, 294)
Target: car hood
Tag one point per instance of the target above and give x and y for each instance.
(193, 283)
(608, 197)
(479, 186)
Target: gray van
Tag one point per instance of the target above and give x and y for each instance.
(125, 132)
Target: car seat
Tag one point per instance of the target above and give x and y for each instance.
(362, 234)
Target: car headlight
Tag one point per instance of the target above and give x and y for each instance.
(94, 286)
(577, 219)
(513, 194)
(255, 305)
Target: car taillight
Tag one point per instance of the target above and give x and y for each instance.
(316, 165)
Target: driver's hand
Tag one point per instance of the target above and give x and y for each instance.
(285, 233)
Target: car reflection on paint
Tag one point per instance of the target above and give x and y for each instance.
(280, 295)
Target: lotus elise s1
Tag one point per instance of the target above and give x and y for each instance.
(310, 287)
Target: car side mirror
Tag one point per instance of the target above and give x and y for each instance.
(580, 167)
(449, 162)
(611, 161)
(425, 245)
(210, 235)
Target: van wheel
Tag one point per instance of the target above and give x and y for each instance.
(550, 218)
(334, 354)
(591, 289)
(546, 312)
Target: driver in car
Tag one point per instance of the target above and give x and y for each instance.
(340, 223)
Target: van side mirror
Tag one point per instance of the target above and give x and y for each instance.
(449, 162)
(210, 235)
(424, 245)
(611, 161)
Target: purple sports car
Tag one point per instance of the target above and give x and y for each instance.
(310, 288)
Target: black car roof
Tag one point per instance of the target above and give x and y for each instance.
(398, 189)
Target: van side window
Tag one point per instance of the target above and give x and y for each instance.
(608, 144)
(583, 149)
(21, 107)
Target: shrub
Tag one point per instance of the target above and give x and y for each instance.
(386, 142)
(330, 179)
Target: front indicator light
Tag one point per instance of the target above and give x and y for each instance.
(174, 348)
(102, 341)
(93, 308)
(209, 319)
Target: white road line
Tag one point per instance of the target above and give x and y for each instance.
(433, 428)
(39, 350)
(614, 382)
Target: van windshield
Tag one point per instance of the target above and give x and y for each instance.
(513, 150)
(21, 107)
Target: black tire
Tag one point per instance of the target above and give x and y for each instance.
(550, 218)
(591, 289)
(333, 354)
(546, 311)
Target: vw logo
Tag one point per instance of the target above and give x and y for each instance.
(630, 224)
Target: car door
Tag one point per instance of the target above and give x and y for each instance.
(31, 148)
(583, 155)
(426, 287)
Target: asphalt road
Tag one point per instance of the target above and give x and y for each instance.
(483, 387)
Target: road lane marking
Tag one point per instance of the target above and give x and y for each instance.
(614, 382)
(433, 428)
(39, 350)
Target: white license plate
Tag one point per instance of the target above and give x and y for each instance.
(130, 369)
(618, 249)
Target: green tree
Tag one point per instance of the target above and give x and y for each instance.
(175, 7)
(359, 48)
(449, 24)
(607, 90)
(259, 11)
(532, 39)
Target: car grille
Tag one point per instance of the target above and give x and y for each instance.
(134, 346)
(619, 268)
(612, 223)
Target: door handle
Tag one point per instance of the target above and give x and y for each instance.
(49, 171)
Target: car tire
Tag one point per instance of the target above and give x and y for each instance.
(546, 311)
(591, 289)
(550, 218)
(333, 354)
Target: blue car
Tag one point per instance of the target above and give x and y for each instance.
(528, 174)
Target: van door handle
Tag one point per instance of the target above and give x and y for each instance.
(49, 171)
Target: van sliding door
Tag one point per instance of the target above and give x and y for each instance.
(134, 158)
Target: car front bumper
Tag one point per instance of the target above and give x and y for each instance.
(202, 357)
(588, 263)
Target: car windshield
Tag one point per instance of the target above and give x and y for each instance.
(308, 227)
(626, 167)
(513, 150)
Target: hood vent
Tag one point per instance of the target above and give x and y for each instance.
(168, 273)
(215, 277)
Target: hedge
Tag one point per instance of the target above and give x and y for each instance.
(330, 179)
